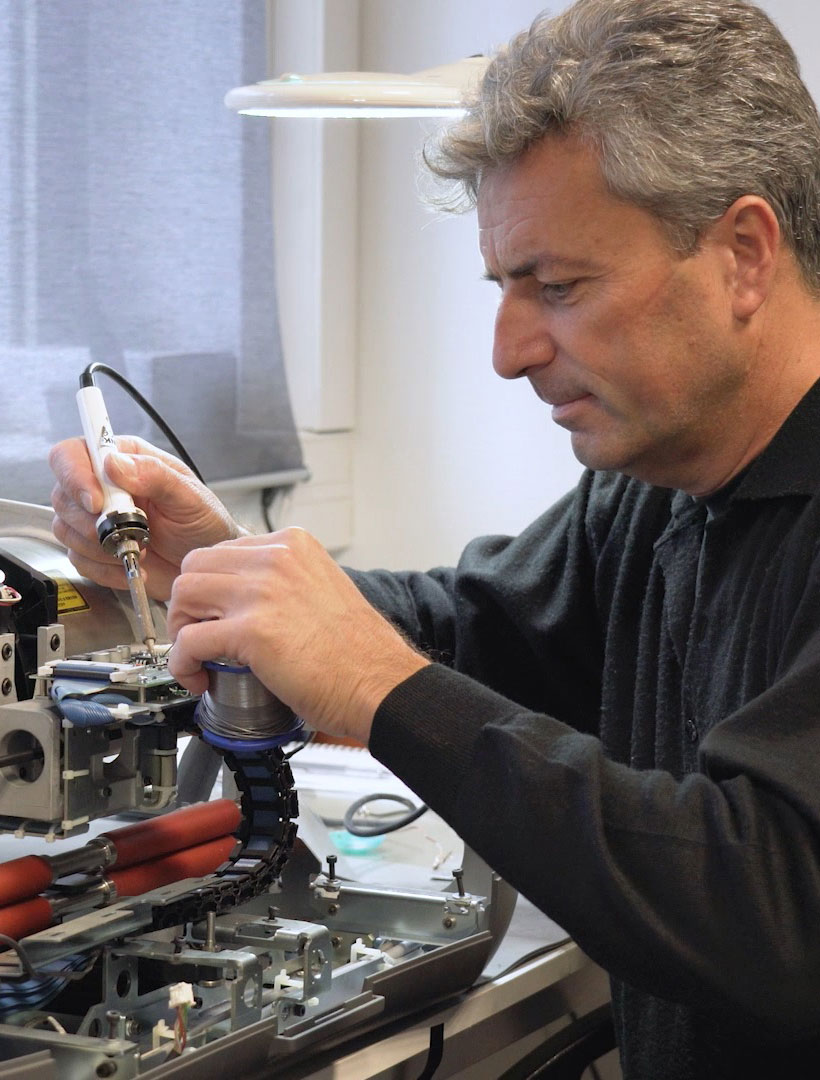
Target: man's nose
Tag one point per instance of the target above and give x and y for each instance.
(521, 340)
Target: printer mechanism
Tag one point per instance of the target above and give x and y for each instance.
(124, 954)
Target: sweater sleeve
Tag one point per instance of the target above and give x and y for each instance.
(517, 614)
(705, 891)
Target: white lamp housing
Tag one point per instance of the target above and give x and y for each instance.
(437, 91)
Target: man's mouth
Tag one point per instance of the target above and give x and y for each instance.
(564, 408)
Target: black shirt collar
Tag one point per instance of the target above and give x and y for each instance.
(790, 464)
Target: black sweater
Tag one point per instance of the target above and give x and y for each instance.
(625, 723)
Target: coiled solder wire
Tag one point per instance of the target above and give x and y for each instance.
(238, 710)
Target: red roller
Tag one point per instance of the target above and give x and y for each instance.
(22, 878)
(194, 862)
(148, 839)
(20, 920)
(180, 829)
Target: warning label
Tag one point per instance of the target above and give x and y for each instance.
(69, 598)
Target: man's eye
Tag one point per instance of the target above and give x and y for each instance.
(558, 290)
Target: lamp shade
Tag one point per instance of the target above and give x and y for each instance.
(433, 92)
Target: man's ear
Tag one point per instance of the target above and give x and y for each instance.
(751, 232)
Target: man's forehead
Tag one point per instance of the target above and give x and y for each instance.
(551, 209)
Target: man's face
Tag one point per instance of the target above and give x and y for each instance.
(633, 345)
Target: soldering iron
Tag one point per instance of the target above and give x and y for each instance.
(122, 527)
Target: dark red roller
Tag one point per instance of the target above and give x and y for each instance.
(19, 920)
(22, 878)
(180, 829)
(193, 862)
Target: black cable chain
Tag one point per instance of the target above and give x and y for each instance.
(269, 803)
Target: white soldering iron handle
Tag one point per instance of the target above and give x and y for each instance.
(99, 438)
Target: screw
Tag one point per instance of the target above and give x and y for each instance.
(459, 876)
(335, 941)
(273, 912)
(299, 1010)
(7, 651)
(6, 687)
(449, 922)
(106, 1068)
(331, 866)
(332, 909)
(55, 642)
(210, 932)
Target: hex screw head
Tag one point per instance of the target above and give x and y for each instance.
(54, 642)
(7, 651)
(5, 687)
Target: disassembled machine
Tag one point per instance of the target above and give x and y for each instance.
(189, 940)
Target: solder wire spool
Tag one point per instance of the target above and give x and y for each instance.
(237, 712)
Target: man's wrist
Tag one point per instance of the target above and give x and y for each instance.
(376, 686)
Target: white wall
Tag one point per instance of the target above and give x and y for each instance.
(443, 449)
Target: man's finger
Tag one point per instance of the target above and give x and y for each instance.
(199, 597)
(196, 643)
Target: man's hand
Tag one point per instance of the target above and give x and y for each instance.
(183, 514)
(280, 605)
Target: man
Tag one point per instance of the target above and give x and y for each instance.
(624, 713)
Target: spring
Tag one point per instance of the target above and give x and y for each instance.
(238, 712)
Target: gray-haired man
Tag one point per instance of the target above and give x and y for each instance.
(624, 718)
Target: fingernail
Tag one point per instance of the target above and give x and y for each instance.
(87, 501)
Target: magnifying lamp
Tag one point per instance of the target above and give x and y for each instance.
(436, 91)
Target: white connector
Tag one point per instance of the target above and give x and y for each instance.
(179, 994)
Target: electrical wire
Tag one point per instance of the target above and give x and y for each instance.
(311, 738)
(87, 379)
(358, 829)
(270, 497)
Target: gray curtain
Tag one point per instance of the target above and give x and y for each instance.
(135, 229)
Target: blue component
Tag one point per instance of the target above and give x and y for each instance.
(217, 665)
(90, 710)
(38, 992)
(252, 744)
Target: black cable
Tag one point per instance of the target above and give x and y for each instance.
(379, 830)
(435, 1053)
(87, 379)
(268, 499)
(301, 746)
(28, 971)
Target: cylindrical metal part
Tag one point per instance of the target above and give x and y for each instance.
(22, 757)
(139, 597)
(238, 707)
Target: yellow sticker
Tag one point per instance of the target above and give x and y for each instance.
(68, 597)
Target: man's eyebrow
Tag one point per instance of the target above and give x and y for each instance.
(544, 262)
